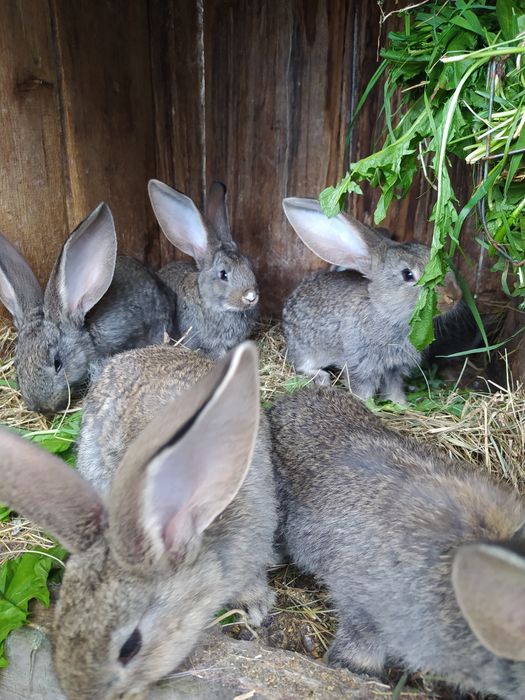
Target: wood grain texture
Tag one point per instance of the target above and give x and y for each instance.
(107, 111)
(276, 111)
(178, 93)
(32, 202)
(98, 96)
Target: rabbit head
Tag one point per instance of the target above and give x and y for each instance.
(148, 569)
(54, 348)
(226, 277)
(489, 583)
(392, 268)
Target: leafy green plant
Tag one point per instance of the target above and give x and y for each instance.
(454, 87)
(26, 577)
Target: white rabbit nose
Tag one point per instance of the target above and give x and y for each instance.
(250, 297)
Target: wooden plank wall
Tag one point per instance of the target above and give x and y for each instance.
(100, 95)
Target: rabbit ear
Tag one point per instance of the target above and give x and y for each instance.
(180, 220)
(49, 492)
(217, 212)
(19, 288)
(489, 582)
(84, 269)
(188, 464)
(340, 240)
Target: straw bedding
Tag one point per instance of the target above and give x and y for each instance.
(486, 429)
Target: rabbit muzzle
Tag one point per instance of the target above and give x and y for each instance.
(250, 297)
(449, 293)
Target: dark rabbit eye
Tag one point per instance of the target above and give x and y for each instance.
(223, 275)
(408, 275)
(58, 363)
(131, 647)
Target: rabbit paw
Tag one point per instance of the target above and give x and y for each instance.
(257, 601)
(359, 655)
(393, 391)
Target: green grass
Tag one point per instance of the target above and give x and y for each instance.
(26, 578)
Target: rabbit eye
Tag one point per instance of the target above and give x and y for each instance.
(58, 363)
(131, 647)
(223, 275)
(408, 275)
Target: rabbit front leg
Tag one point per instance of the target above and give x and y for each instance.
(357, 646)
(257, 599)
(392, 389)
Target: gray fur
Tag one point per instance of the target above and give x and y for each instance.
(213, 314)
(139, 573)
(356, 319)
(378, 517)
(123, 305)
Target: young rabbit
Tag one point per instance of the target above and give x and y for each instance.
(384, 522)
(94, 306)
(356, 320)
(131, 390)
(187, 527)
(218, 295)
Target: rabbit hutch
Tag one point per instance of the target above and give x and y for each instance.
(274, 98)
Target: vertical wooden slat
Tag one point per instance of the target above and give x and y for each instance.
(277, 99)
(32, 202)
(178, 92)
(107, 111)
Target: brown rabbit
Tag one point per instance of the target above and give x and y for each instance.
(187, 526)
(393, 528)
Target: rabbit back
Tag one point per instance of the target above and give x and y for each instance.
(136, 311)
(378, 517)
(127, 395)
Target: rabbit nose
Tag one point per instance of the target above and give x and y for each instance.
(250, 297)
(450, 292)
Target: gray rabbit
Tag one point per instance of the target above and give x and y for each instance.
(407, 542)
(186, 527)
(95, 305)
(355, 316)
(218, 294)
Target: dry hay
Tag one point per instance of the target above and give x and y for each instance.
(489, 431)
(486, 429)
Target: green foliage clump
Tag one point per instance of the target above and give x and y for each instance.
(26, 577)
(454, 87)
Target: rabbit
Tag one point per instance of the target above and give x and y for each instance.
(95, 305)
(218, 294)
(396, 531)
(186, 527)
(356, 320)
(130, 391)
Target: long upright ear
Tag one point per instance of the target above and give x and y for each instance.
(19, 288)
(217, 212)
(180, 220)
(84, 269)
(189, 463)
(49, 493)
(340, 240)
(489, 583)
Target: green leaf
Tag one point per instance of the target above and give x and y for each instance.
(21, 580)
(506, 12)
(421, 326)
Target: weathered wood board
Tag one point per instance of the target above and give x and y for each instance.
(100, 95)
